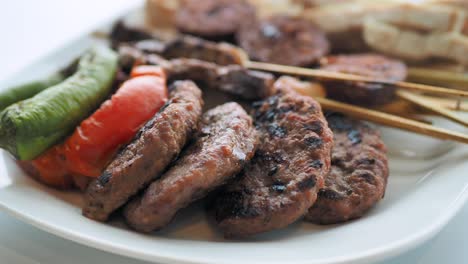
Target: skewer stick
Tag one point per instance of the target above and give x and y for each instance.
(422, 102)
(350, 77)
(451, 104)
(392, 121)
(438, 77)
(333, 75)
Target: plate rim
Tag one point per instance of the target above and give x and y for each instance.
(376, 254)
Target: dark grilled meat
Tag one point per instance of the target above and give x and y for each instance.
(122, 33)
(368, 65)
(283, 40)
(233, 79)
(213, 19)
(358, 175)
(247, 84)
(281, 182)
(226, 141)
(155, 146)
(194, 48)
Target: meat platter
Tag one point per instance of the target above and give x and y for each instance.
(243, 159)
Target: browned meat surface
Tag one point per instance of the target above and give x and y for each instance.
(349, 41)
(198, 71)
(192, 47)
(281, 182)
(122, 33)
(368, 65)
(358, 175)
(214, 19)
(247, 84)
(81, 182)
(196, 48)
(154, 147)
(283, 40)
(226, 141)
(233, 79)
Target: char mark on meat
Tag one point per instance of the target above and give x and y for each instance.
(367, 65)
(213, 19)
(154, 147)
(283, 40)
(225, 142)
(232, 79)
(281, 182)
(358, 175)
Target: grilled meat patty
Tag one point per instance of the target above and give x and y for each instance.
(281, 182)
(213, 19)
(283, 40)
(154, 147)
(226, 141)
(358, 175)
(368, 65)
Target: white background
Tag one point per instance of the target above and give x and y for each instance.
(30, 29)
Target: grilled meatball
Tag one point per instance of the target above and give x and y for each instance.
(283, 40)
(226, 141)
(281, 182)
(155, 146)
(368, 65)
(358, 174)
(213, 19)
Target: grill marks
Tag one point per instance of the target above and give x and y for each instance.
(282, 40)
(214, 19)
(227, 140)
(155, 146)
(368, 65)
(279, 184)
(358, 175)
(232, 79)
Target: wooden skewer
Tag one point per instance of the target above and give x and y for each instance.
(452, 104)
(422, 102)
(332, 75)
(392, 121)
(438, 77)
(298, 71)
(351, 77)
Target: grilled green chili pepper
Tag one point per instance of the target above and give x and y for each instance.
(27, 90)
(29, 127)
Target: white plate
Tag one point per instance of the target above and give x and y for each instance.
(422, 196)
